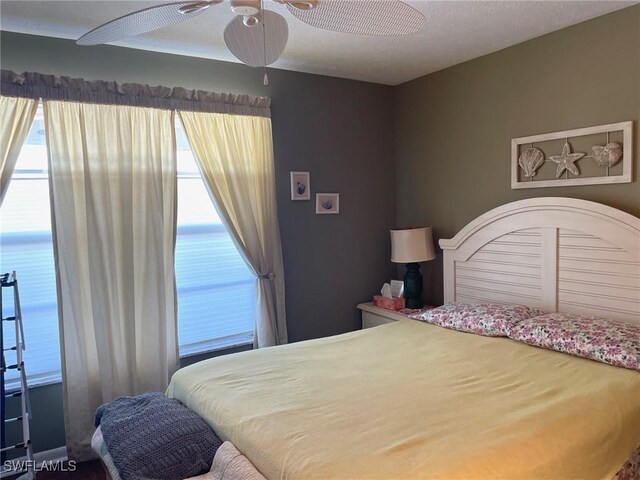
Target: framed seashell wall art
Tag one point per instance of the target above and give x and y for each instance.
(584, 156)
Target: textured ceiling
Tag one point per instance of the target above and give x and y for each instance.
(455, 31)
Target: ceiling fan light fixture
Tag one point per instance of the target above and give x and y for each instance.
(245, 8)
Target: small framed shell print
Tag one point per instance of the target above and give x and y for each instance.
(327, 203)
(300, 186)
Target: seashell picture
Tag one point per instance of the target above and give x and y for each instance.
(327, 203)
(531, 160)
(535, 157)
(300, 186)
(608, 155)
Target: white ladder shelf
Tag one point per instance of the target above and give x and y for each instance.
(16, 351)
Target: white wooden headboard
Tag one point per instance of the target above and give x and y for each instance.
(559, 254)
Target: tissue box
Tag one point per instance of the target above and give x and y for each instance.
(393, 303)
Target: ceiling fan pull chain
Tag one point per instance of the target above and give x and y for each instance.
(265, 79)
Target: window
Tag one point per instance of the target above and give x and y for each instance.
(27, 247)
(216, 290)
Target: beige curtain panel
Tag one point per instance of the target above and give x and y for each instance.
(235, 155)
(16, 117)
(113, 186)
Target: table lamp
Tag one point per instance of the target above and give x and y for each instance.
(410, 246)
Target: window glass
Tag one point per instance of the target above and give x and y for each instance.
(26, 247)
(216, 290)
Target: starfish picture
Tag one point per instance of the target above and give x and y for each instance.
(566, 160)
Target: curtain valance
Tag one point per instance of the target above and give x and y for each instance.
(51, 87)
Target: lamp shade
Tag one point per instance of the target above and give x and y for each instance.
(412, 245)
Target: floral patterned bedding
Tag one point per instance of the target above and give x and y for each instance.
(585, 336)
(631, 469)
(489, 319)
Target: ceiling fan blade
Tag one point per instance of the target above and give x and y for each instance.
(248, 44)
(145, 20)
(299, 4)
(358, 17)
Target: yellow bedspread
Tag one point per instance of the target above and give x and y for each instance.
(412, 400)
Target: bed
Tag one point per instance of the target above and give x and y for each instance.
(415, 400)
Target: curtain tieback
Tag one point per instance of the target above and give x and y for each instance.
(266, 276)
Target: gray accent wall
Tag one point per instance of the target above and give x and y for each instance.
(454, 127)
(47, 424)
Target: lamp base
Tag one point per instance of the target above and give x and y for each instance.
(413, 286)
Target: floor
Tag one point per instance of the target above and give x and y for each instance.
(84, 471)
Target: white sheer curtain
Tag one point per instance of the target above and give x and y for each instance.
(113, 189)
(16, 116)
(235, 156)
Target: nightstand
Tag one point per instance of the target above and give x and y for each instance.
(374, 316)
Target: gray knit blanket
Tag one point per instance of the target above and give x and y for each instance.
(152, 437)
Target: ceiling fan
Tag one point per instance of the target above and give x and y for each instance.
(257, 36)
